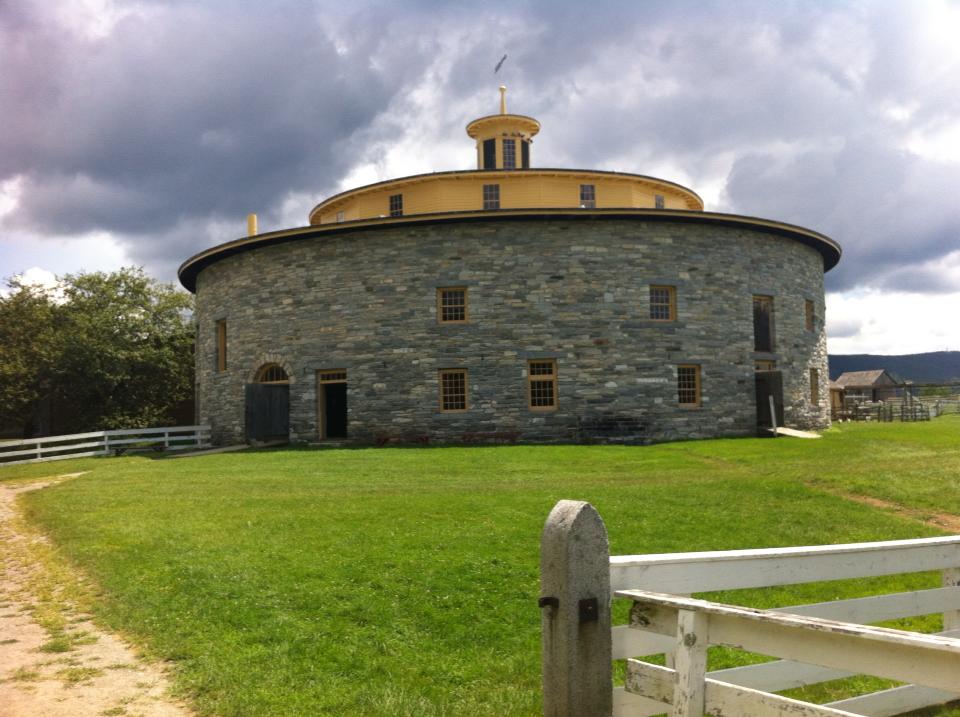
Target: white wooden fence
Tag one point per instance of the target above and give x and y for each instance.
(814, 643)
(103, 443)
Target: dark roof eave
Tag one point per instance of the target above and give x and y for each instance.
(188, 271)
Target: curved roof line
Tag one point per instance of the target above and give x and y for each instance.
(827, 247)
(517, 172)
(533, 125)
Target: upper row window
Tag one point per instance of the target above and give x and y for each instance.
(663, 303)
(588, 196)
(396, 205)
(491, 196)
(452, 305)
(491, 192)
(763, 323)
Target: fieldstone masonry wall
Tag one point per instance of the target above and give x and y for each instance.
(574, 291)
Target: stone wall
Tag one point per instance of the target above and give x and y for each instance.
(574, 291)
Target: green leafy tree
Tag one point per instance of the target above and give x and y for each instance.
(27, 353)
(115, 351)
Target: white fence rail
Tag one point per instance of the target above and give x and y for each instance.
(103, 443)
(814, 643)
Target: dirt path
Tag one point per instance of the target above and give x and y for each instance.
(943, 521)
(68, 667)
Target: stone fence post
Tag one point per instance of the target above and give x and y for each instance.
(575, 613)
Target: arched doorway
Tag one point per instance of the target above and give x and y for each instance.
(267, 407)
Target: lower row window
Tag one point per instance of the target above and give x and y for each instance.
(542, 377)
(453, 390)
(688, 385)
(542, 386)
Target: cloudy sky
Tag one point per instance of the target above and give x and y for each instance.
(142, 132)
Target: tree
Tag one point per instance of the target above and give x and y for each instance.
(112, 350)
(27, 350)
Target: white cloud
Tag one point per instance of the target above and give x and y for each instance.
(96, 19)
(10, 194)
(41, 279)
(94, 251)
(871, 321)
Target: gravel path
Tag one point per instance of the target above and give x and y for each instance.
(85, 673)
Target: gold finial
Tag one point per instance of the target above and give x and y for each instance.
(251, 225)
(503, 99)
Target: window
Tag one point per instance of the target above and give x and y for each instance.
(763, 323)
(222, 345)
(764, 365)
(815, 387)
(491, 196)
(658, 201)
(525, 154)
(453, 389)
(808, 314)
(339, 217)
(396, 205)
(509, 154)
(271, 373)
(663, 303)
(688, 385)
(542, 377)
(489, 154)
(452, 305)
(588, 196)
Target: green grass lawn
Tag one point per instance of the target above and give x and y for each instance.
(404, 581)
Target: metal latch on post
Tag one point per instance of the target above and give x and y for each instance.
(589, 610)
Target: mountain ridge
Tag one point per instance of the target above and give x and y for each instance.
(930, 367)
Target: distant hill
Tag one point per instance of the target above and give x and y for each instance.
(933, 367)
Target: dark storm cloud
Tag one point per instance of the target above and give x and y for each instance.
(890, 209)
(186, 117)
(801, 97)
(183, 112)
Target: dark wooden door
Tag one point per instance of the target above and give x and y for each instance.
(335, 410)
(769, 383)
(268, 411)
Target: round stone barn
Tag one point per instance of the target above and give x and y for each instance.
(509, 304)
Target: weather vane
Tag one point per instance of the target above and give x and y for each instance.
(499, 64)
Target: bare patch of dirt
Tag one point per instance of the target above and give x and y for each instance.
(67, 666)
(944, 521)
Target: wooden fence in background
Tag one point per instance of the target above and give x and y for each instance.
(103, 443)
(814, 643)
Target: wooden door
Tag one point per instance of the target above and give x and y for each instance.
(335, 410)
(267, 411)
(769, 383)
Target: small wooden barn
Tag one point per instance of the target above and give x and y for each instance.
(863, 386)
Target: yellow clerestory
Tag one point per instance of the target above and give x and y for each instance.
(504, 180)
